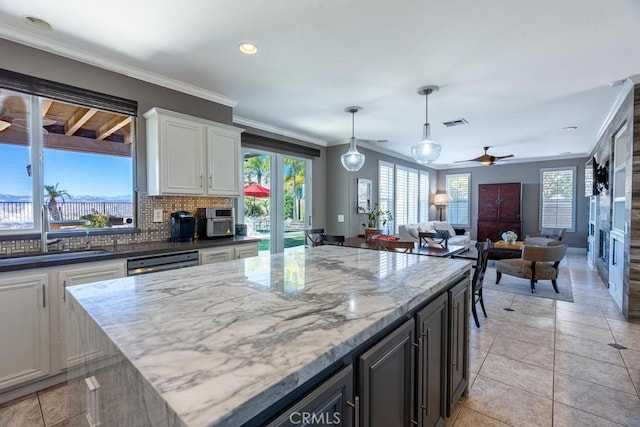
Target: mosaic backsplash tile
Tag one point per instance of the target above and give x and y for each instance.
(149, 231)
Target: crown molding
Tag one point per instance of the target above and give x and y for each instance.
(278, 131)
(625, 89)
(61, 49)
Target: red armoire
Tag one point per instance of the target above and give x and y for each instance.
(499, 210)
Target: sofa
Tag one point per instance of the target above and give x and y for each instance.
(410, 232)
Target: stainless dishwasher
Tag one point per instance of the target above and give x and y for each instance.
(155, 263)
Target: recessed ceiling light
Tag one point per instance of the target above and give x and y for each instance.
(38, 23)
(248, 48)
(617, 82)
(569, 128)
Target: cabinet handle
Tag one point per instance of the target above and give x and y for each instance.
(64, 291)
(426, 335)
(417, 344)
(414, 422)
(455, 334)
(211, 180)
(200, 180)
(356, 410)
(44, 301)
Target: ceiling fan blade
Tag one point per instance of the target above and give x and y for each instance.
(504, 157)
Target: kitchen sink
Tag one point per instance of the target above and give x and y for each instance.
(53, 256)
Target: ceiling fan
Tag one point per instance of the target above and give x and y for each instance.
(486, 159)
(7, 120)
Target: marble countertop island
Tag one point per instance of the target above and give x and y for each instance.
(220, 343)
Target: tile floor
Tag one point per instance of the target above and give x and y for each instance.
(547, 363)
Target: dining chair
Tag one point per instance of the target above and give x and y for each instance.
(313, 236)
(478, 277)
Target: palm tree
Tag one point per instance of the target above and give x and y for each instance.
(258, 166)
(52, 204)
(295, 170)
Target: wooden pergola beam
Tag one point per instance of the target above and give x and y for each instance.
(69, 143)
(80, 117)
(111, 126)
(46, 104)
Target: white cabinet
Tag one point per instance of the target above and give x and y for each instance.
(70, 353)
(192, 156)
(591, 237)
(24, 327)
(213, 255)
(616, 266)
(247, 250)
(228, 253)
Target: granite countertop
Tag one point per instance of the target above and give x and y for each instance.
(220, 343)
(40, 260)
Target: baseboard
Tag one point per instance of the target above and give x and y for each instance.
(32, 387)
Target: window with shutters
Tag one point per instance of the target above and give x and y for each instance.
(557, 198)
(458, 209)
(385, 190)
(406, 196)
(423, 200)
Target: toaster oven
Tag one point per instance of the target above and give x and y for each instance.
(219, 222)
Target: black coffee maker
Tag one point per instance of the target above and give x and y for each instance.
(183, 226)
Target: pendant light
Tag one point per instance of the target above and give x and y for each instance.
(352, 160)
(426, 151)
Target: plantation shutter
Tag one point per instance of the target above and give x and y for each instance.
(459, 206)
(385, 188)
(423, 203)
(557, 198)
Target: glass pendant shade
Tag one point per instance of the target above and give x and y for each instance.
(426, 151)
(352, 160)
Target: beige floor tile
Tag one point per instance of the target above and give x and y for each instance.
(509, 404)
(606, 374)
(580, 308)
(631, 358)
(448, 422)
(635, 378)
(598, 400)
(629, 338)
(77, 421)
(533, 354)
(482, 337)
(534, 309)
(583, 331)
(517, 374)
(471, 418)
(24, 412)
(55, 405)
(566, 416)
(596, 320)
(588, 348)
(527, 333)
(545, 323)
(476, 357)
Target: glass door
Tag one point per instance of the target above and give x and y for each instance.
(276, 199)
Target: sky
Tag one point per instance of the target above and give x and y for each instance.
(78, 173)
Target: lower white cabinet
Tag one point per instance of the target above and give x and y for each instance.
(70, 354)
(228, 253)
(616, 266)
(246, 250)
(213, 255)
(24, 327)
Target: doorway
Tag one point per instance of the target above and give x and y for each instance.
(276, 199)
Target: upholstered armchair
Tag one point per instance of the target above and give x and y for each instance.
(549, 237)
(537, 263)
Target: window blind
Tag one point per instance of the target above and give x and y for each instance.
(423, 199)
(557, 198)
(406, 196)
(385, 188)
(458, 210)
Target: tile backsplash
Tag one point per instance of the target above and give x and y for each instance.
(149, 231)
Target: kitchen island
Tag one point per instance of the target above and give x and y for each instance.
(237, 342)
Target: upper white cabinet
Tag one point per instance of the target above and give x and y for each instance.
(191, 156)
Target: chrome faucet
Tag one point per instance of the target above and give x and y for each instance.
(44, 233)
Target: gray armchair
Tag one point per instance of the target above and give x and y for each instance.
(549, 237)
(537, 263)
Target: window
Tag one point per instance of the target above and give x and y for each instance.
(557, 198)
(406, 196)
(458, 209)
(423, 200)
(85, 176)
(385, 189)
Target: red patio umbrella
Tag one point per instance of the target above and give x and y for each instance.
(256, 190)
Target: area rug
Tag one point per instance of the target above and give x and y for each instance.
(544, 288)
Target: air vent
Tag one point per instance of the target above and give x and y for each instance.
(458, 122)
